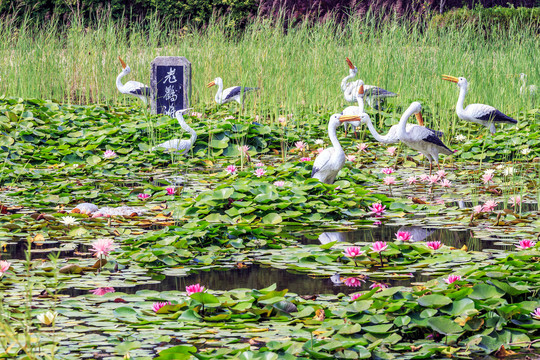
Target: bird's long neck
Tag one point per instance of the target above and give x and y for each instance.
(374, 132)
(461, 99)
(344, 82)
(360, 99)
(188, 129)
(332, 127)
(119, 84)
(219, 92)
(402, 125)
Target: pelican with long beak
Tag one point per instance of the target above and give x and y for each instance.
(229, 94)
(421, 138)
(133, 88)
(373, 94)
(477, 113)
(328, 163)
(355, 110)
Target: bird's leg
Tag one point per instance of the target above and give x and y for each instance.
(430, 168)
(355, 134)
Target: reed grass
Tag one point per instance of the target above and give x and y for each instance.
(298, 68)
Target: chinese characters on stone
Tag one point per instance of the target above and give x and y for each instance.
(171, 93)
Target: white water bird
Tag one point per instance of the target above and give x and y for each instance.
(355, 110)
(420, 138)
(178, 144)
(133, 88)
(373, 94)
(477, 113)
(229, 94)
(525, 90)
(328, 163)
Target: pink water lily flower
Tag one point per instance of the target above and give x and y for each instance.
(435, 245)
(300, 145)
(489, 206)
(231, 169)
(355, 296)
(452, 278)
(192, 289)
(487, 177)
(279, 183)
(441, 174)
(379, 286)
(102, 291)
(158, 305)
(424, 177)
(525, 244)
(515, 200)
(109, 154)
(391, 150)
(387, 171)
(259, 165)
(477, 209)
(362, 147)
(404, 236)
(433, 179)
(446, 183)
(379, 246)
(353, 251)
(198, 115)
(102, 247)
(143, 196)
(260, 172)
(411, 180)
(377, 223)
(377, 208)
(4, 266)
(243, 149)
(171, 190)
(305, 159)
(282, 120)
(351, 158)
(536, 313)
(389, 180)
(353, 282)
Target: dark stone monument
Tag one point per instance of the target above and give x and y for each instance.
(171, 84)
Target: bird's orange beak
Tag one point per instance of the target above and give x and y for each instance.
(210, 84)
(361, 89)
(351, 66)
(450, 78)
(123, 63)
(344, 118)
(419, 119)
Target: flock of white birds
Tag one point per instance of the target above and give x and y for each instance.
(329, 162)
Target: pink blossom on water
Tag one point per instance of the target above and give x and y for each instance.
(377, 223)
(109, 154)
(525, 244)
(433, 179)
(452, 278)
(411, 180)
(487, 177)
(389, 180)
(4, 266)
(198, 115)
(231, 169)
(102, 247)
(424, 177)
(355, 296)
(192, 289)
(300, 145)
(404, 236)
(158, 305)
(379, 246)
(282, 120)
(143, 196)
(351, 158)
(515, 200)
(260, 172)
(353, 282)
(489, 206)
(259, 164)
(377, 209)
(362, 147)
(243, 149)
(435, 245)
(171, 190)
(305, 159)
(441, 174)
(391, 150)
(387, 171)
(446, 183)
(535, 314)
(279, 183)
(379, 286)
(353, 251)
(102, 291)
(477, 209)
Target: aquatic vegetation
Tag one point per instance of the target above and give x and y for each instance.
(48, 318)
(102, 247)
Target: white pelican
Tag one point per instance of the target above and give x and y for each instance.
(420, 138)
(373, 94)
(134, 88)
(392, 136)
(530, 90)
(229, 94)
(178, 144)
(355, 110)
(477, 113)
(328, 163)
